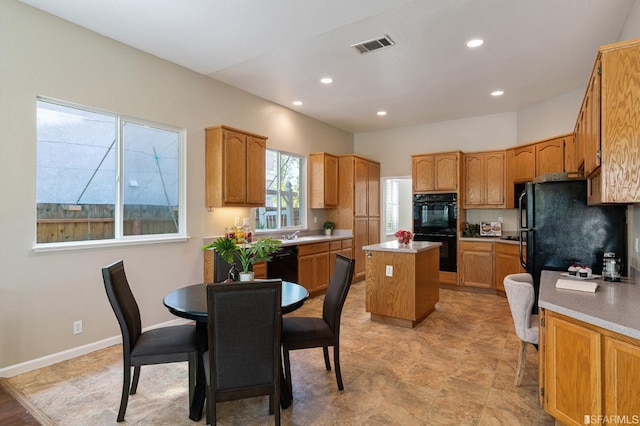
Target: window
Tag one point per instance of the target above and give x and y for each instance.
(284, 198)
(81, 153)
(392, 208)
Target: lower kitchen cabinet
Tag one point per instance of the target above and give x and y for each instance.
(587, 371)
(313, 267)
(507, 261)
(475, 268)
(344, 247)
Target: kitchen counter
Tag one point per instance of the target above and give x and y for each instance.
(490, 240)
(394, 246)
(614, 306)
(305, 239)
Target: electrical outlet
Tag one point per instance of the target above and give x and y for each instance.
(389, 270)
(77, 327)
(499, 218)
(315, 219)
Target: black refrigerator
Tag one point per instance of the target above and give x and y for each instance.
(559, 228)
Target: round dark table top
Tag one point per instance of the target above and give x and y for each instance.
(191, 302)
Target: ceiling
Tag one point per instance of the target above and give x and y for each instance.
(279, 50)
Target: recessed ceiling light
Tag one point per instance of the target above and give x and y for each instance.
(297, 103)
(326, 80)
(476, 42)
(382, 113)
(497, 93)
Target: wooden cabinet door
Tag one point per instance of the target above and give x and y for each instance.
(474, 194)
(573, 386)
(495, 178)
(550, 156)
(446, 172)
(621, 372)
(592, 110)
(524, 164)
(476, 269)
(313, 266)
(423, 173)
(360, 239)
(256, 171)
(361, 194)
(235, 167)
(373, 199)
(323, 180)
(507, 261)
(571, 156)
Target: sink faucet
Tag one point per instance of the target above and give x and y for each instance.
(291, 236)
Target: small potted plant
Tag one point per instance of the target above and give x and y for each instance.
(328, 227)
(258, 251)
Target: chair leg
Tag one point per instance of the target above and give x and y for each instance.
(193, 368)
(136, 377)
(287, 369)
(276, 406)
(124, 399)
(325, 349)
(522, 358)
(336, 362)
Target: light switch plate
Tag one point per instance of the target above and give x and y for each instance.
(389, 271)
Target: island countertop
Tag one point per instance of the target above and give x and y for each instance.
(614, 306)
(396, 247)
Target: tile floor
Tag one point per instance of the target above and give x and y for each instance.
(456, 368)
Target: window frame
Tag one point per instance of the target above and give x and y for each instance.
(391, 205)
(119, 238)
(302, 195)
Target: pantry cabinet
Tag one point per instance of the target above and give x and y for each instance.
(234, 168)
(484, 176)
(611, 163)
(323, 180)
(587, 371)
(358, 205)
(436, 172)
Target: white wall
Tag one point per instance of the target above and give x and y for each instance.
(41, 294)
(632, 26)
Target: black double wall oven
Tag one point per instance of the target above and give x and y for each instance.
(435, 218)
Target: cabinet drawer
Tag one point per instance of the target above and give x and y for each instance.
(335, 245)
(476, 246)
(347, 243)
(307, 249)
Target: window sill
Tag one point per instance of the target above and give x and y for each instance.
(83, 245)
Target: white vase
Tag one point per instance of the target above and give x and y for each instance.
(246, 276)
(328, 231)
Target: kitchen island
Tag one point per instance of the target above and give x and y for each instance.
(590, 351)
(402, 282)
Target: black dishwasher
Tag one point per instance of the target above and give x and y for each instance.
(284, 264)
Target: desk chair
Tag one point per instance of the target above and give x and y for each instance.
(244, 327)
(157, 346)
(306, 332)
(521, 296)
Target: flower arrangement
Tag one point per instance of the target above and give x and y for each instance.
(404, 237)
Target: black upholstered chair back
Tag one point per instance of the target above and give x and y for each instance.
(244, 330)
(337, 292)
(123, 303)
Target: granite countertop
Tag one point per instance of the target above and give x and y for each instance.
(494, 239)
(614, 306)
(394, 246)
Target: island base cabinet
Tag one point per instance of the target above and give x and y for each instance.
(589, 375)
(402, 288)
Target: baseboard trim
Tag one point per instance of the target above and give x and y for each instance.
(45, 361)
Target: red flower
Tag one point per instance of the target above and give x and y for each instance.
(403, 236)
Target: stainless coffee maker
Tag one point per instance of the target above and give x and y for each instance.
(611, 267)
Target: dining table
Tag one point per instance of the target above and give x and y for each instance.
(190, 302)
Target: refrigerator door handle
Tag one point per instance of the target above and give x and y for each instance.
(523, 231)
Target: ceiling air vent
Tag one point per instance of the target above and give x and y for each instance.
(373, 44)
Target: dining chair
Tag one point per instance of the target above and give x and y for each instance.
(521, 296)
(244, 327)
(156, 346)
(311, 332)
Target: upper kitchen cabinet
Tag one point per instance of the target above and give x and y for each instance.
(522, 163)
(323, 180)
(611, 160)
(484, 177)
(550, 156)
(234, 168)
(436, 172)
